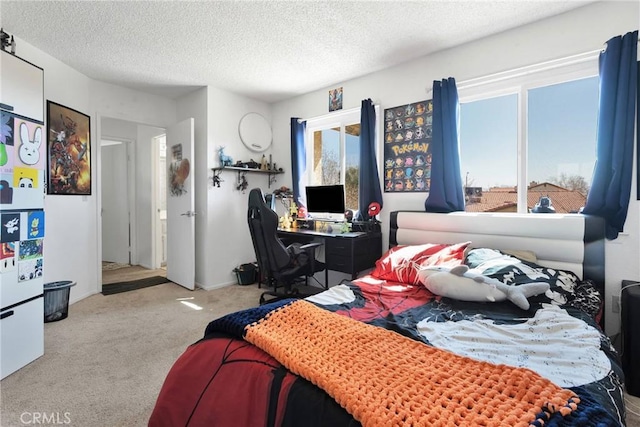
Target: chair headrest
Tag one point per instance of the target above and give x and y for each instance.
(256, 198)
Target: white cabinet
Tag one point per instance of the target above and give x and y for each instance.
(21, 87)
(22, 167)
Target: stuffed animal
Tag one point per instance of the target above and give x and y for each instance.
(462, 284)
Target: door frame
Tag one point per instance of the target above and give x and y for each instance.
(98, 192)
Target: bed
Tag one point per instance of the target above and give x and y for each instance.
(383, 350)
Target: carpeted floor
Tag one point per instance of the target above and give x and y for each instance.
(104, 364)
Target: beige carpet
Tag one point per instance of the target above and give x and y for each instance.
(104, 365)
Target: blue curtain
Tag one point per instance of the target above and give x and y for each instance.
(446, 191)
(298, 160)
(611, 187)
(369, 183)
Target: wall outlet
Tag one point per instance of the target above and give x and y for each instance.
(615, 303)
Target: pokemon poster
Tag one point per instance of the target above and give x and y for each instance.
(407, 147)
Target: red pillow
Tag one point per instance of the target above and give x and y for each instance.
(399, 263)
(450, 256)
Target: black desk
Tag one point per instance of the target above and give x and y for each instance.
(348, 253)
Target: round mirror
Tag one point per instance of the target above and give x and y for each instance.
(255, 132)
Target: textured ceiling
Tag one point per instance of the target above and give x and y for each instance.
(266, 50)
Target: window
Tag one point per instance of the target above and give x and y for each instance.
(530, 146)
(333, 152)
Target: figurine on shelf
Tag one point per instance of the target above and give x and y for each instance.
(286, 222)
(263, 163)
(242, 183)
(224, 159)
(293, 209)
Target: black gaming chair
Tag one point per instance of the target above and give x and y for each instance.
(279, 264)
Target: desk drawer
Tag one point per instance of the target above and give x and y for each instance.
(340, 263)
(339, 247)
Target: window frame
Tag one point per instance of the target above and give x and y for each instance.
(519, 82)
(339, 119)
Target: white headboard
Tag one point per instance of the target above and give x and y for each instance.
(569, 242)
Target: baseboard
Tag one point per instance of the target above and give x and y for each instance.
(216, 286)
(76, 299)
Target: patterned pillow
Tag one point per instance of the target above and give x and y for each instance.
(400, 263)
(566, 289)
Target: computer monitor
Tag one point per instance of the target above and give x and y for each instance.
(325, 202)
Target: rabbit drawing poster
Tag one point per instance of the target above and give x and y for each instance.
(69, 150)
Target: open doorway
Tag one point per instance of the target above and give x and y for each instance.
(132, 196)
(116, 212)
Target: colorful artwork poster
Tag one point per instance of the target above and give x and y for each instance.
(29, 144)
(178, 171)
(10, 227)
(30, 249)
(69, 151)
(25, 177)
(7, 150)
(407, 147)
(7, 257)
(36, 225)
(29, 269)
(335, 99)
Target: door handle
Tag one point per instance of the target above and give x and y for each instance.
(6, 314)
(188, 214)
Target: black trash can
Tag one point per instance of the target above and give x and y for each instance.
(246, 273)
(56, 300)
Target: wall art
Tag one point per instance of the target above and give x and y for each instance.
(407, 151)
(69, 151)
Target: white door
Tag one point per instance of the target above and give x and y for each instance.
(115, 203)
(180, 205)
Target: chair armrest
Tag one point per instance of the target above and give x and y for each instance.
(312, 245)
(310, 248)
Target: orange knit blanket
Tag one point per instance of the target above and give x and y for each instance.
(382, 378)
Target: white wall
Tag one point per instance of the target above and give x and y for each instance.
(222, 235)
(227, 242)
(579, 31)
(144, 207)
(117, 232)
(72, 239)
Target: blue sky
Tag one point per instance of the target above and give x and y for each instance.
(331, 142)
(562, 134)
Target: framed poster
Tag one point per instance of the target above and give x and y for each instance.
(335, 99)
(68, 151)
(407, 152)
